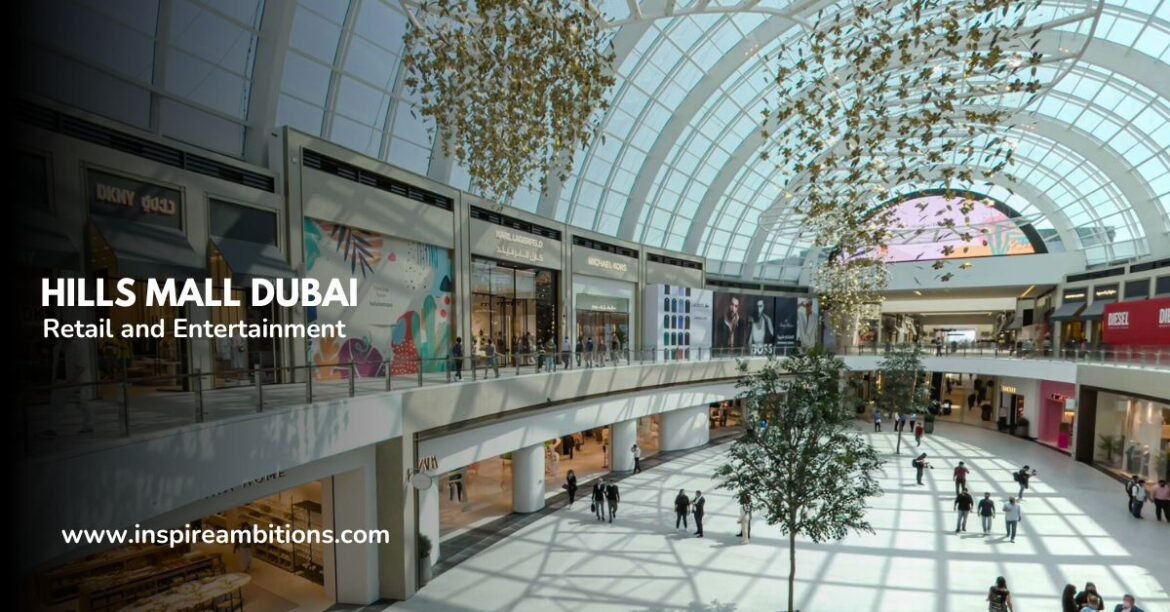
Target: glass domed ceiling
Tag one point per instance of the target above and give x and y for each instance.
(680, 165)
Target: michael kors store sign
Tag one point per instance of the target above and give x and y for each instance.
(607, 265)
(507, 244)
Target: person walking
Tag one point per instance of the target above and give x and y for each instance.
(894, 420)
(960, 477)
(1022, 477)
(637, 452)
(1128, 604)
(1068, 599)
(579, 349)
(986, 512)
(918, 432)
(877, 420)
(599, 499)
(1129, 485)
(493, 360)
(999, 598)
(243, 548)
(699, 504)
(1090, 597)
(589, 352)
(913, 422)
(571, 486)
(745, 518)
(920, 464)
(902, 423)
(1162, 500)
(615, 349)
(566, 352)
(457, 358)
(1012, 516)
(1140, 495)
(682, 506)
(963, 503)
(612, 497)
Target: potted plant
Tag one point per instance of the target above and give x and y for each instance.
(424, 560)
(928, 423)
(1109, 445)
(1021, 427)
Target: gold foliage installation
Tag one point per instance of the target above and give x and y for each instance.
(886, 93)
(514, 87)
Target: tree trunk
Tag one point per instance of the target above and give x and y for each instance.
(898, 451)
(791, 571)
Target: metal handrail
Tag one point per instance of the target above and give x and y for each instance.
(449, 369)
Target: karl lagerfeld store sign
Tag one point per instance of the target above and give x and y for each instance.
(507, 244)
(607, 265)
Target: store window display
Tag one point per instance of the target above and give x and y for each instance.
(1133, 436)
(516, 306)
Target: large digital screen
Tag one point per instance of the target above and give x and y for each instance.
(921, 234)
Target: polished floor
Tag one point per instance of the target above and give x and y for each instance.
(1075, 529)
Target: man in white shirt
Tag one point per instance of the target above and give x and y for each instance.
(1012, 516)
(637, 451)
(1140, 495)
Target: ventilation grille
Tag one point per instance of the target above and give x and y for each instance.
(484, 214)
(1074, 278)
(350, 172)
(674, 261)
(597, 245)
(1150, 265)
(73, 127)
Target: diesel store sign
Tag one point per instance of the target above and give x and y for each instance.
(606, 265)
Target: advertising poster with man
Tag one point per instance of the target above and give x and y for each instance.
(744, 323)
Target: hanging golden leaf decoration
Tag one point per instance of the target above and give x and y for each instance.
(514, 87)
(887, 93)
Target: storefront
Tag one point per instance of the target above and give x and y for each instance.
(677, 322)
(136, 230)
(245, 245)
(1133, 435)
(1017, 411)
(1141, 323)
(515, 283)
(1068, 316)
(1057, 418)
(277, 575)
(1103, 295)
(604, 289)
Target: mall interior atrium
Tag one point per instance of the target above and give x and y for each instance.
(570, 241)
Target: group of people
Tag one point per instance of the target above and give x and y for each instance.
(900, 422)
(543, 354)
(1139, 493)
(999, 599)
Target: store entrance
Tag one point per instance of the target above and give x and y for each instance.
(604, 326)
(480, 493)
(515, 306)
(236, 359)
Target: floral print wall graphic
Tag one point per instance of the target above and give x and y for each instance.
(404, 301)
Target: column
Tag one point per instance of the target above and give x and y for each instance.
(685, 428)
(352, 569)
(398, 559)
(622, 436)
(528, 478)
(428, 516)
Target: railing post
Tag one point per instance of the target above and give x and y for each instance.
(309, 383)
(125, 407)
(388, 369)
(198, 396)
(474, 368)
(516, 360)
(420, 371)
(259, 390)
(448, 369)
(352, 376)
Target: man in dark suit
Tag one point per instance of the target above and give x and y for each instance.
(699, 504)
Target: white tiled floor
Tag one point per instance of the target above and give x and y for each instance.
(1075, 529)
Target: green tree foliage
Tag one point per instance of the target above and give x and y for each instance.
(904, 388)
(807, 470)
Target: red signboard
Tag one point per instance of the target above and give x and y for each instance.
(1141, 323)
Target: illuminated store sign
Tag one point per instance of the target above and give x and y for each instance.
(510, 245)
(1108, 292)
(1008, 389)
(606, 264)
(1075, 296)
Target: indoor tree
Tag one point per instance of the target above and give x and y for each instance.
(903, 384)
(802, 463)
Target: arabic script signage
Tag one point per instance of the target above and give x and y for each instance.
(506, 244)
